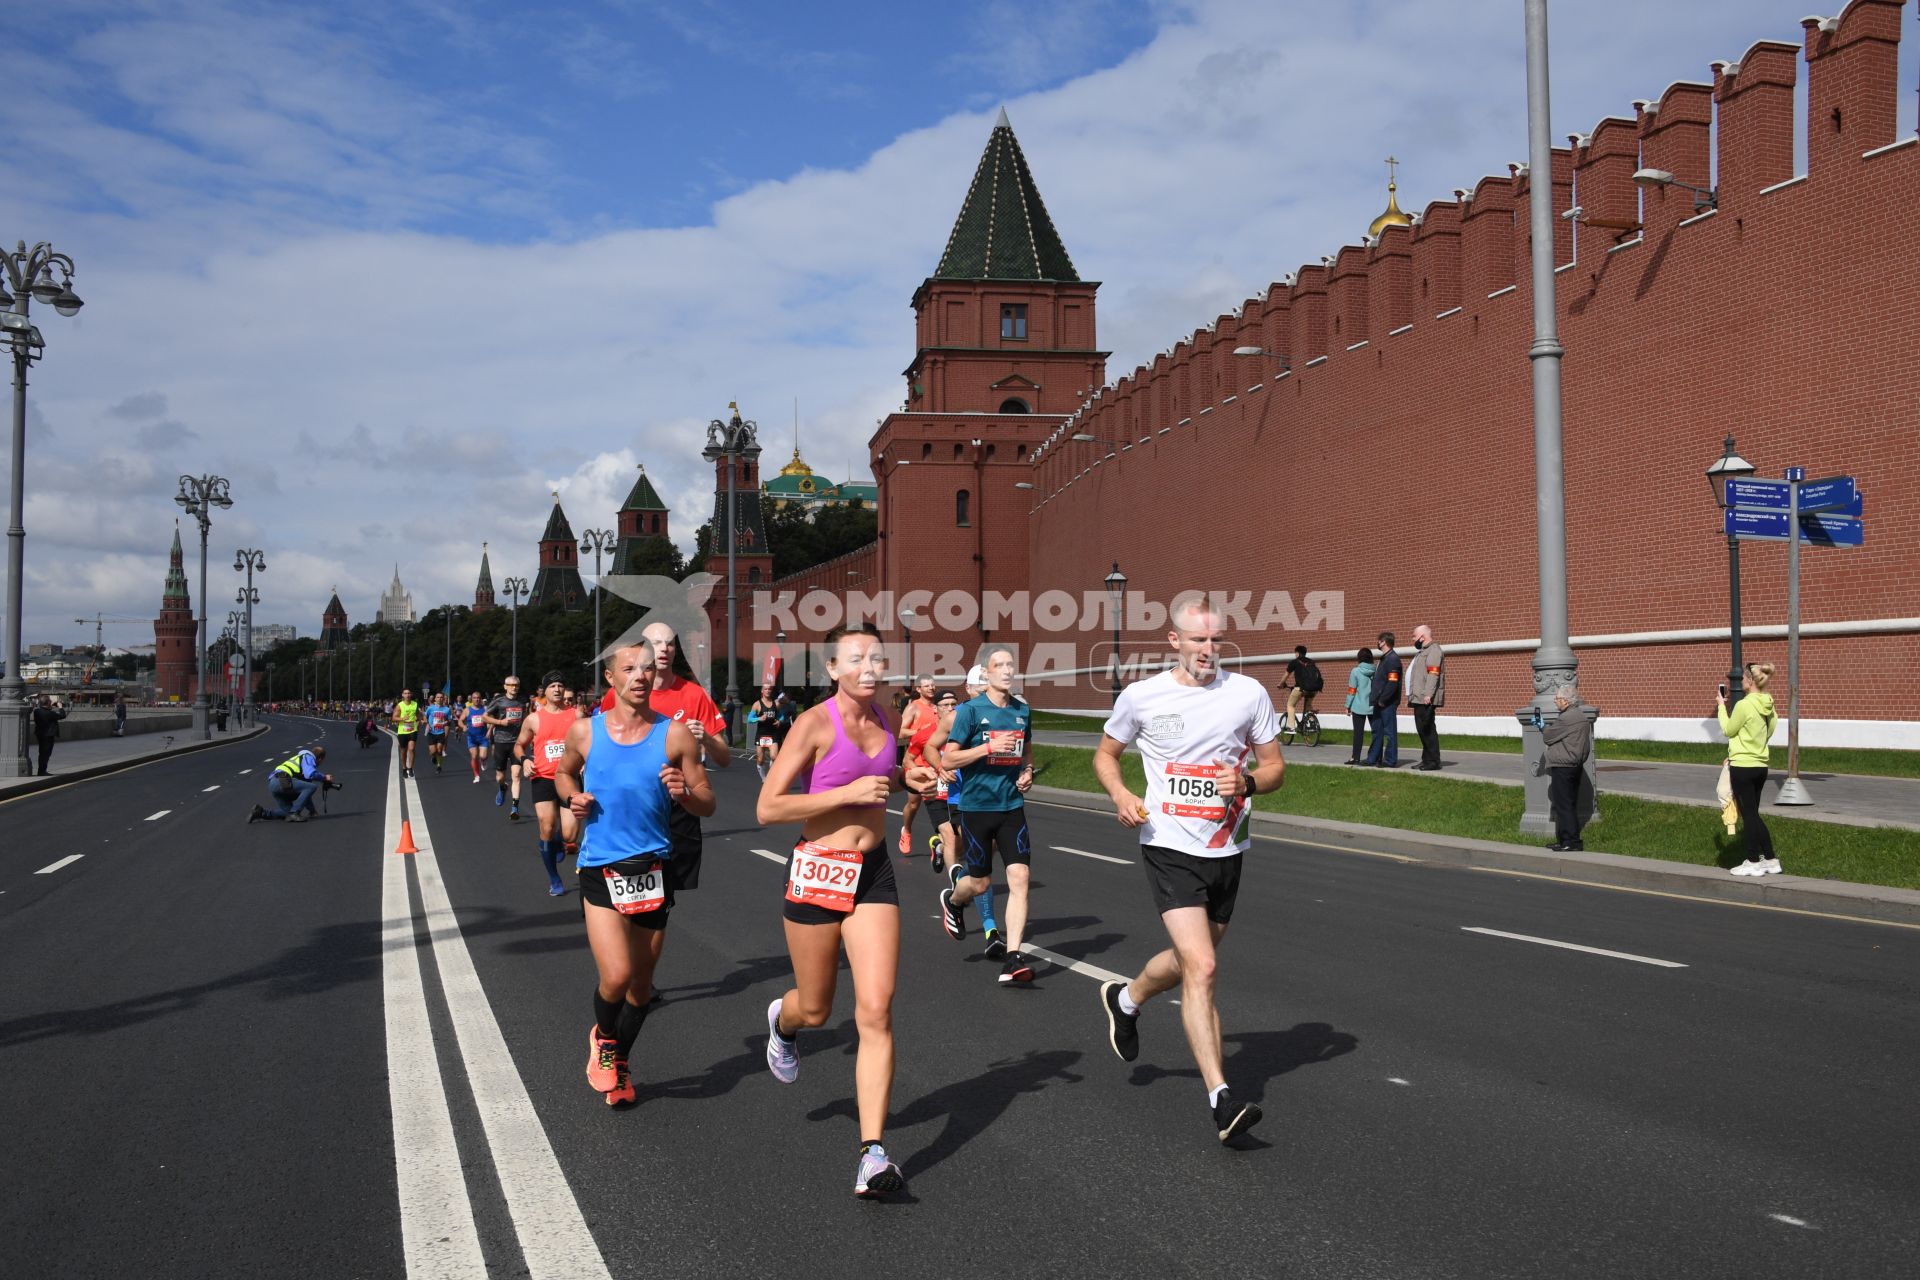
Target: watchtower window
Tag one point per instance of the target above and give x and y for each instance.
(1015, 405)
(1013, 321)
(962, 504)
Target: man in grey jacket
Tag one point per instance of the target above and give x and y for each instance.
(1426, 690)
(1569, 739)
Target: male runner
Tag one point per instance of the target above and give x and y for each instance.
(621, 773)
(542, 741)
(439, 716)
(1195, 726)
(946, 853)
(504, 715)
(406, 725)
(763, 726)
(991, 739)
(474, 717)
(913, 727)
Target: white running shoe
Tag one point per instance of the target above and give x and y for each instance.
(781, 1058)
(878, 1176)
(1771, 867)
(1755, 868)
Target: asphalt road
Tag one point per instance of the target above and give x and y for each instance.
(212, 1033)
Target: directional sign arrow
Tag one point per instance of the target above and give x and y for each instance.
(1832, 531)
(1829, 495)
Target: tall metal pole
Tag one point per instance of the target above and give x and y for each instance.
(733, 577)
(1792, 790)
(13, 703)
(1554, 663)
(1734, 691)
(597, 541)
(449, 684)
(200, 701)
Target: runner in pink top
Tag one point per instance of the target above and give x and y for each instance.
(840, 887)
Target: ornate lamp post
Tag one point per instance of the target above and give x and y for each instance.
(28, 275)
(403, 628)
(251, 561)
(198, 496)
(1731, 466)
(1117, 597)
(236, 628)
(733, 440)
(597, 541)
(516, 589)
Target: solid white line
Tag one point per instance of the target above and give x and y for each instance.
(1078, 966)
(1574, 946)
(771, 856)
(554, 1239)
(214, 787)
(52, 867)
(437, 1231)
(152, 817)
(1125, 862)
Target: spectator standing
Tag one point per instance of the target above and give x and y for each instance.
(1384, 751)
(46, 727)
(1749, 729)
(1569, 741)
(120, 716)
(1360, 699)
(1426, 691)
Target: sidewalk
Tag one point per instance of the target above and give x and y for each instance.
(90, 757)
(1848, 799)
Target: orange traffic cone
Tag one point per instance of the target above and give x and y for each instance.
(406, 839)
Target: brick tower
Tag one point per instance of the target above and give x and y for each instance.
(333, 625)
(483, 590)
(751, 554)
(558, 581)
(1004, 330)
(174, 667)
(642, 516)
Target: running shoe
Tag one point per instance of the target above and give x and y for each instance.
(781, 1058)
(513, 814)
(499, 797)
(257, 814)
(556, 889)
(934, 853)
(1770, 867)
(1123, 1029)
(1756, 867)
(476, 779)
(601, 1056)
(996, 947)
(878, 1175)
(622, 1094)
(1016, 969)
(906, 842)
(954, 875)
(296, 817)
(1233, 1118)
(951, 918)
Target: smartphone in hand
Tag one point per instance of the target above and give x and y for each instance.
(1723, 689)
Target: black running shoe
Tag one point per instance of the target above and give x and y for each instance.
(1016, 969)
(951, 918)
(1233, 1118)
(1123, 1029)
(996, 948)
(955, 874)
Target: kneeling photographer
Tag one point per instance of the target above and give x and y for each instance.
(293, 784)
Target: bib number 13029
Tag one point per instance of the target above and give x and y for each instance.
(823, 877)
(636, 894)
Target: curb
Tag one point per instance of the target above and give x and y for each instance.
(1685, 879)
(28, 788)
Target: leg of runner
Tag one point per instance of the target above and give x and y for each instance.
(907, 810)
(546, 814)
(623, 955)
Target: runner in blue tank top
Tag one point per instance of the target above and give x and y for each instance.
(619, 774)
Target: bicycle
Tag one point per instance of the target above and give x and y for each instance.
(1306, 728)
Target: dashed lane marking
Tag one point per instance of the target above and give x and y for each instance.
(1574, 946)
(1078, 966)
(1792, 1221)
(246, 771)
(52, 867)
(214, 787)
(1397, 1080)
(771, 856)
(1102, 857)
(155, 817)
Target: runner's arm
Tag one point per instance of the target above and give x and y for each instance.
(685, 776)
(1128, 807)
(567, 775)
(525, 740)
(810, 736)
(1266, 772)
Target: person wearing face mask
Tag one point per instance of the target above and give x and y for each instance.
(1426, 691)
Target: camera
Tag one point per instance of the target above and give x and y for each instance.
(329, 784)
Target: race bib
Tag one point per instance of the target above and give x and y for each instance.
(1192, 792)
(823, 877)
(639, 893)
(940, 791)
(555, 749)
(766, 742)
(1006, 746)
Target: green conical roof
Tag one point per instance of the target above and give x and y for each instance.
(176, 566)
(486, 571)
(643, 497)
(558, 530)
(1003, 232)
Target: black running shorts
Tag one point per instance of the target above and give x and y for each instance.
(593, 889)
(876, 885)
(982, 834)
(502, 757)
(1182, 880)
(937, 810)
(683, 834)
(543, 789)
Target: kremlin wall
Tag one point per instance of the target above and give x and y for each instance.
(1397, 405)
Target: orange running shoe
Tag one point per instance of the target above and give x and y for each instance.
(906, 842)
(603, 1068)
(622, 1094)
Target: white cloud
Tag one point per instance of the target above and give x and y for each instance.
(262, 302)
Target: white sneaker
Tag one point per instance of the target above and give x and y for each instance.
(781, 1058)
(1770, 867)
(1748, 869)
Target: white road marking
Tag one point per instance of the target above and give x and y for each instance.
(771, 856)
(1078, 966)
(1792, 1222)
(245, 771)
(554, 1239)
(1574, 946)
(1397, 1080)
(214, 787)
(154, 817)
(437, 1231)
(1125, 862)
(52, 867)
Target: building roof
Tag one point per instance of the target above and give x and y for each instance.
(333, 606)
(642, 498)
(558, 530)
(1003, 231)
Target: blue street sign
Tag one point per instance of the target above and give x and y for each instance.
(1815, 530)
(1829, 494)
(1768, 495)
(1756, 524)
(1796, 473)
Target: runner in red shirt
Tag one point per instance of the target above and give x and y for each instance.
(542, 741)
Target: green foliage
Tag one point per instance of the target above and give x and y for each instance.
(800, 543)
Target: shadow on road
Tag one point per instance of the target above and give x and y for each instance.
(746, 974)
(1256, 1057)
(722, 1076)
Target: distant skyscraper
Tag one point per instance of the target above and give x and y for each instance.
(397, 604)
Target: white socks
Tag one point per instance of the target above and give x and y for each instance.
(1213, 1096)
(1127, 1006)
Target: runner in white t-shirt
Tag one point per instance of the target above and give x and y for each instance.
(1208, 739)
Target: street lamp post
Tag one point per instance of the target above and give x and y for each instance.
(404, 627)
(349, 648)
(516, 592)
(250, 560)
(198, 496)
(448, 687)
(733, 440)
(373, 693)
(1117, 597)
(597, 541)
(29, 275)
(1731, 466)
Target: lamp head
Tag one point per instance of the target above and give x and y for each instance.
(68, 302)
(1728, 466)
(1022, 484)
(1250, 351)
(1085, 438)
(45, 289)
(1652, 177)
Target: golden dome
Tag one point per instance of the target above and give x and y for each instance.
(1393, 217)
(796, 467)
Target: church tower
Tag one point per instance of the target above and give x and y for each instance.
(483, 590)
(558, 581)
(1005, 349)
(333, 626)
(174, 666)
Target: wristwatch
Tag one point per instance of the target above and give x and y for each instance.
(1247, 774)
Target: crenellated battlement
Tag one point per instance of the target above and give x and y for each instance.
(1471, 251)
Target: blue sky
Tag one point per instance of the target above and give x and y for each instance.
(403, 268)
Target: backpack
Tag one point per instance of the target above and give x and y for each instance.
(1308, 679)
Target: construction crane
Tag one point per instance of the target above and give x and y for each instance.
(100, 623)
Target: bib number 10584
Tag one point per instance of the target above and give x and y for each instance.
(1191, 792)
(823, 877)
(636, 894)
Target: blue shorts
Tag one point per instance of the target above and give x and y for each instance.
(476, 740)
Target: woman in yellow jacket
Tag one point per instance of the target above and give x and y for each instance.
(1749, 727)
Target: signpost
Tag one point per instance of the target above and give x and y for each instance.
(1796, 511)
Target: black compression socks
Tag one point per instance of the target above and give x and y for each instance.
(632, 1018)
(606, 1016)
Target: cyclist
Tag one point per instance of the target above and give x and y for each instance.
(1302, 681)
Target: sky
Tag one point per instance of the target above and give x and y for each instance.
(402, 269)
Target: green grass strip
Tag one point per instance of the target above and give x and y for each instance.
(1488, 811)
